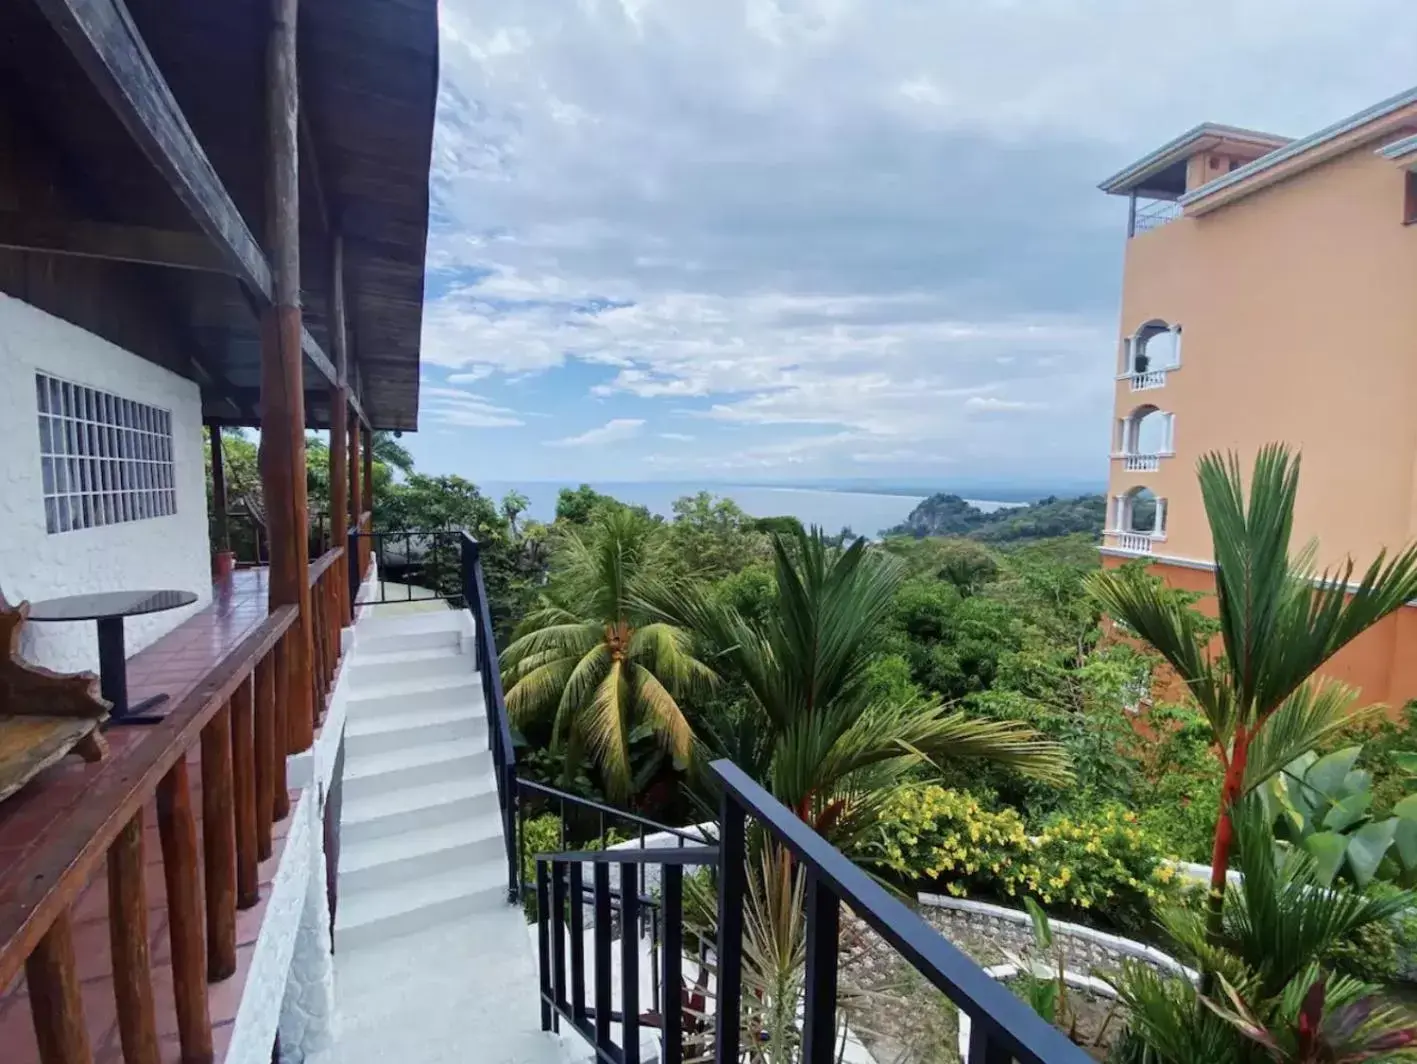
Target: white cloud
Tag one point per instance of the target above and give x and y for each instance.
(453, 406)
(994, 403)
(681, 437)
(865, 223)
(613, 431)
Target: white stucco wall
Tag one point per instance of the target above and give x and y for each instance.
(155, 553)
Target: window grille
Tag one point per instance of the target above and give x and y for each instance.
(104, 459)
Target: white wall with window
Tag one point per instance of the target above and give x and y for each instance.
(102, 480)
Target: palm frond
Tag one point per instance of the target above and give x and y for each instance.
(577, 689)
(668, 652)
(1308, 717)
(664, 714)
(571, 639)
(608, 730)
(534, 694)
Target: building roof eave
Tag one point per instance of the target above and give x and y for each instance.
(1194, 139)
(1303, 146)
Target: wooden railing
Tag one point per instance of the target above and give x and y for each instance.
(329, 615)
(235, 716)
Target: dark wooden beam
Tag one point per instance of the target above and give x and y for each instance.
(103, 39)
(26, 231)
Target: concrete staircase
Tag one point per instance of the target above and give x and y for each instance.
(432, 964)
(420, 831)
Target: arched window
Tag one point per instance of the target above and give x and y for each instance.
(1146, 431)
(1140, 512)
(1155, 347)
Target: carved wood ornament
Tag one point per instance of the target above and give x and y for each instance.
(43, 714)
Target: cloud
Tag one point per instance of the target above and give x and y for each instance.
(993, 402)
(613, 431)
(453, 406)
(864, 222)
(682, 437)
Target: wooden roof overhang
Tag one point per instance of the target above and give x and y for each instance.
(133, 146)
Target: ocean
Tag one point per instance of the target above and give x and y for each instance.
(865, 513)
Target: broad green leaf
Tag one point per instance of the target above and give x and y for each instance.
(1327, 773)
(1406, 761)
(1344, 814)
(1328, 849)
(1042, 929)
(1405, 841)
(1407, 808)
(1366, 848)
(1357, 780)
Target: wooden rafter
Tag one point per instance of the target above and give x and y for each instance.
(26, 231)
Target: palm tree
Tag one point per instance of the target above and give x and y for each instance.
(387, 449)
(808, 729)
(592, 661)
(514, 504)
(1279, 622)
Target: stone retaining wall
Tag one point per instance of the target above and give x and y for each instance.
(981, 928)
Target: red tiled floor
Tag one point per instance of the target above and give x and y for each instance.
(173, 665)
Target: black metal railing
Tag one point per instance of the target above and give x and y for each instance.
(429, 562)
(499, 728)
(607, 824)
(1002, 1026)
(561, 896)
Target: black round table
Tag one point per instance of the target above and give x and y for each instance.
(109, 608)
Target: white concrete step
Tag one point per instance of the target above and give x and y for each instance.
(413, 766)
(409, 666)
(374, 915)
(395, 639)
(412, 808)
(393, 859)
(388, 623)
(433, 692)
(417, 727)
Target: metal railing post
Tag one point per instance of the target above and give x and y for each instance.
(732, 889)
(819, 1014)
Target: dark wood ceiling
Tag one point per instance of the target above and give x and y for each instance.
(368, 75)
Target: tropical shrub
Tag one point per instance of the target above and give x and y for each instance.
(1101, 865)
(1325, 806)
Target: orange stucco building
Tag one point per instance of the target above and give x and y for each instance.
(1269, 293)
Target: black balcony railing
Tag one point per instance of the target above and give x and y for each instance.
(577, 988)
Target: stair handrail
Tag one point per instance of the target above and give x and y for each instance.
(499, 729)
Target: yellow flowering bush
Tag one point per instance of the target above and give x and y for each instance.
(1102, 864)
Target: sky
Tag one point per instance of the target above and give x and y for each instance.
(738, 240)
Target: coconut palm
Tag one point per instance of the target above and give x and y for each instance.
(387, 450)
(1279, 622)
(808, 729)
(591, 661)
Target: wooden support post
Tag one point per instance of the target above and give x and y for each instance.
(55, 1006)
(128, 940)
(266, 753)
(177, 830)
(243, 765)
(223, 531)
(280, 793)
(339, 421)
(219, 846)
(368, 493)
(282, 387)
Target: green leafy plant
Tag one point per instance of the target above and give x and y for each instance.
(1277, 923)
(1325, 805)
(593, 664)
(807, 728)
(1099, 865)
(1280, 621)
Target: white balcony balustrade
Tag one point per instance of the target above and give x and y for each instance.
(1136, 542)
(1144, 382)
(1141, 463)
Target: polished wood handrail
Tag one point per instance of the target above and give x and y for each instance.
(323, 562)
(37, 890)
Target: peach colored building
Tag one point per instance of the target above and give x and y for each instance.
(1270, 293)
